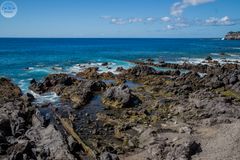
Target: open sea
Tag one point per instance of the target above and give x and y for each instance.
(25, 59)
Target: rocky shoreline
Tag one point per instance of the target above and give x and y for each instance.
(140, 113)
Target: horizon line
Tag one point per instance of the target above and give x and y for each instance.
(110, 38)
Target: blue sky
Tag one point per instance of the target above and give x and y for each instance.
(122, 18)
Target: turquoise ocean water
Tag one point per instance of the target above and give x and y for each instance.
(24, 59)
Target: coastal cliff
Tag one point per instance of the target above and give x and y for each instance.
(233, 36)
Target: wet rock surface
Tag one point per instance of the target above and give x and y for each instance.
(170, 115)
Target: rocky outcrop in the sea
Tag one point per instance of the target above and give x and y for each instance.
(232, 36)
(78, 91)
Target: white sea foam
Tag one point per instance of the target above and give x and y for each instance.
(29, 68)
(111, 67)
(202, 74)
(215, 54)
(40, 70)
(46, 70)
(232, 60)
(190, 60)
(50, 97)
(203, 61)
(23, 84)
(57, 68)
(225, 54)
(233, 55)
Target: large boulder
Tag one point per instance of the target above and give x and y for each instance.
(119, 97)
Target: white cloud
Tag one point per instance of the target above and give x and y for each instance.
(224, 21)
(174, 23)
(170, 27)
(182, 25)
(165, 19)
(197, 2)
(118, 21)
(106, 17)
(121, 21)
(135, 20)
(150, 19)
(176, 26)
(178, 8)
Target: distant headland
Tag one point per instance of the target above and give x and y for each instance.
(232, 36)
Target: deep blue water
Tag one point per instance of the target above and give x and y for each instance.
(24, 59)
